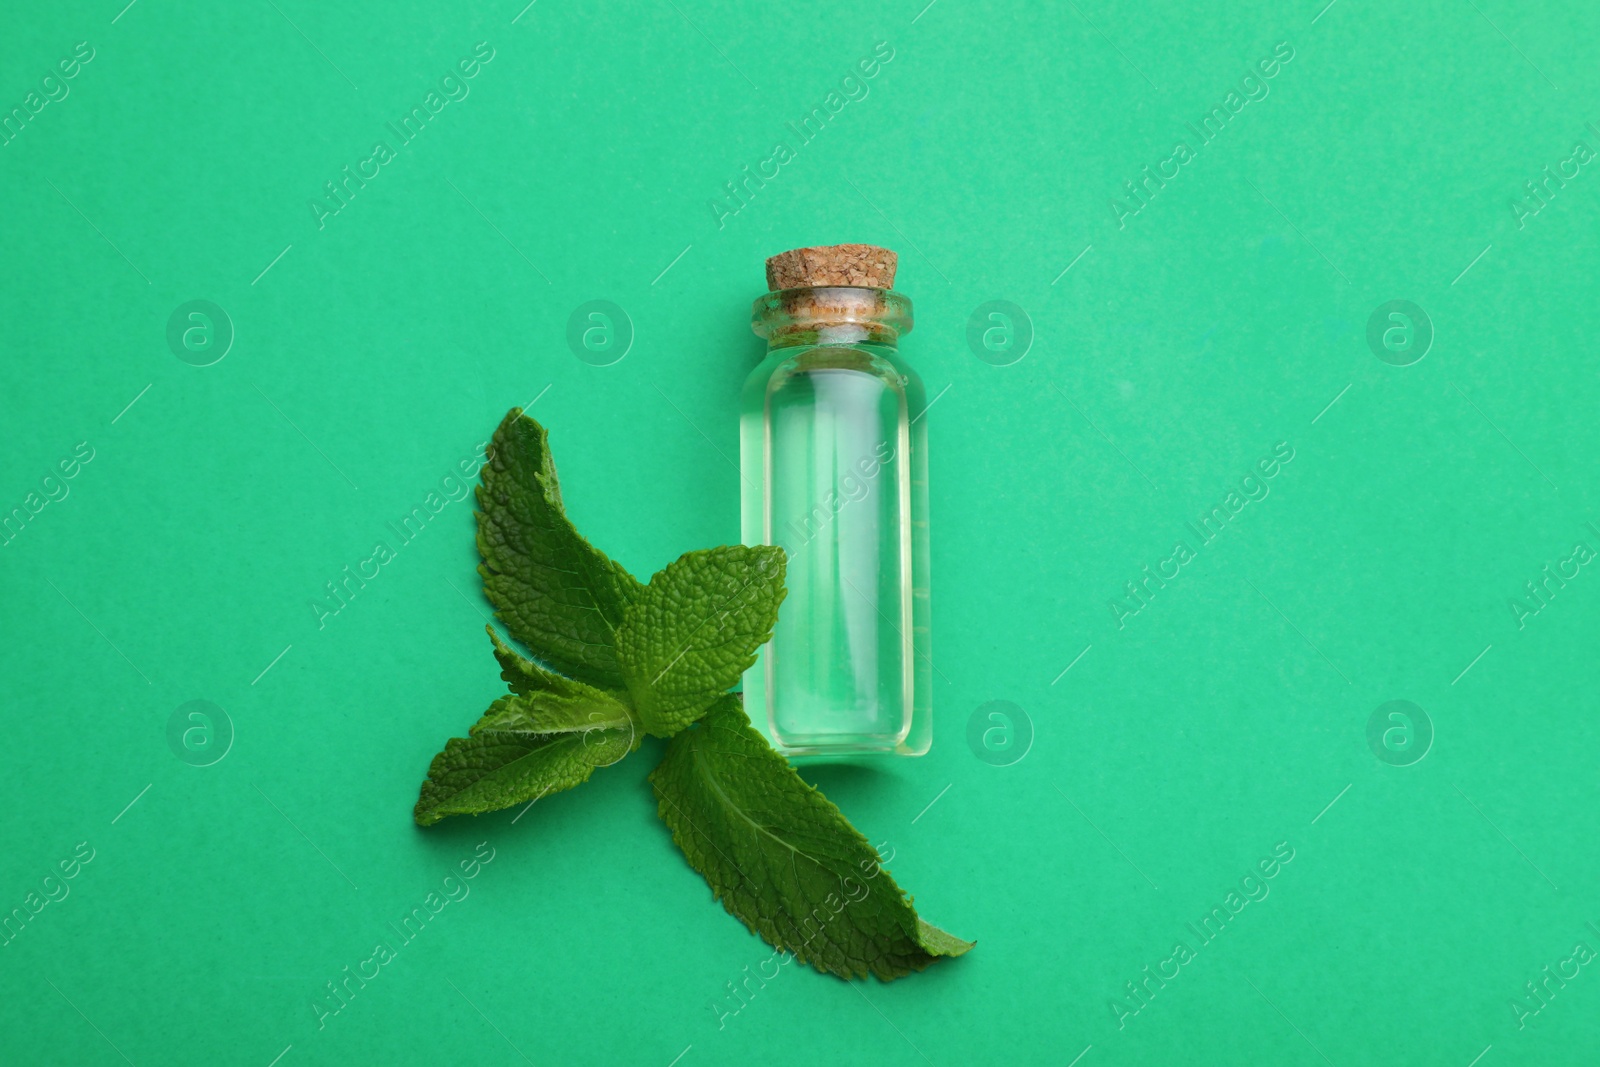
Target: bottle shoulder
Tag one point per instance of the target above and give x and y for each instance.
(876, 361)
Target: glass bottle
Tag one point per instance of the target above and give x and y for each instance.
(833, 458)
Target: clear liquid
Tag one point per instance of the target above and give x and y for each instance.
(835, 473)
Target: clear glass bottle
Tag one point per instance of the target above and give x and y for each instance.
(833, 454)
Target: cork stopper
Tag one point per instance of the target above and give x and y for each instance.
(864, 266)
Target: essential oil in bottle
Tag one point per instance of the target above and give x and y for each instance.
(833, 457)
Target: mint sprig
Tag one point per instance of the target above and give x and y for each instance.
(613, 660)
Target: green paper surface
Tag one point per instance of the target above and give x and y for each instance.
(242, 420)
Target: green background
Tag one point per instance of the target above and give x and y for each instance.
(374, 353)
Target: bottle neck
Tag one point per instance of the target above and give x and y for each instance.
(831, 315)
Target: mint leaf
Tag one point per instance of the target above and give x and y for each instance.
(554, 713)
(695, 629)
(525, 676)
(526, 746)
(783, 859)
(555, 592)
